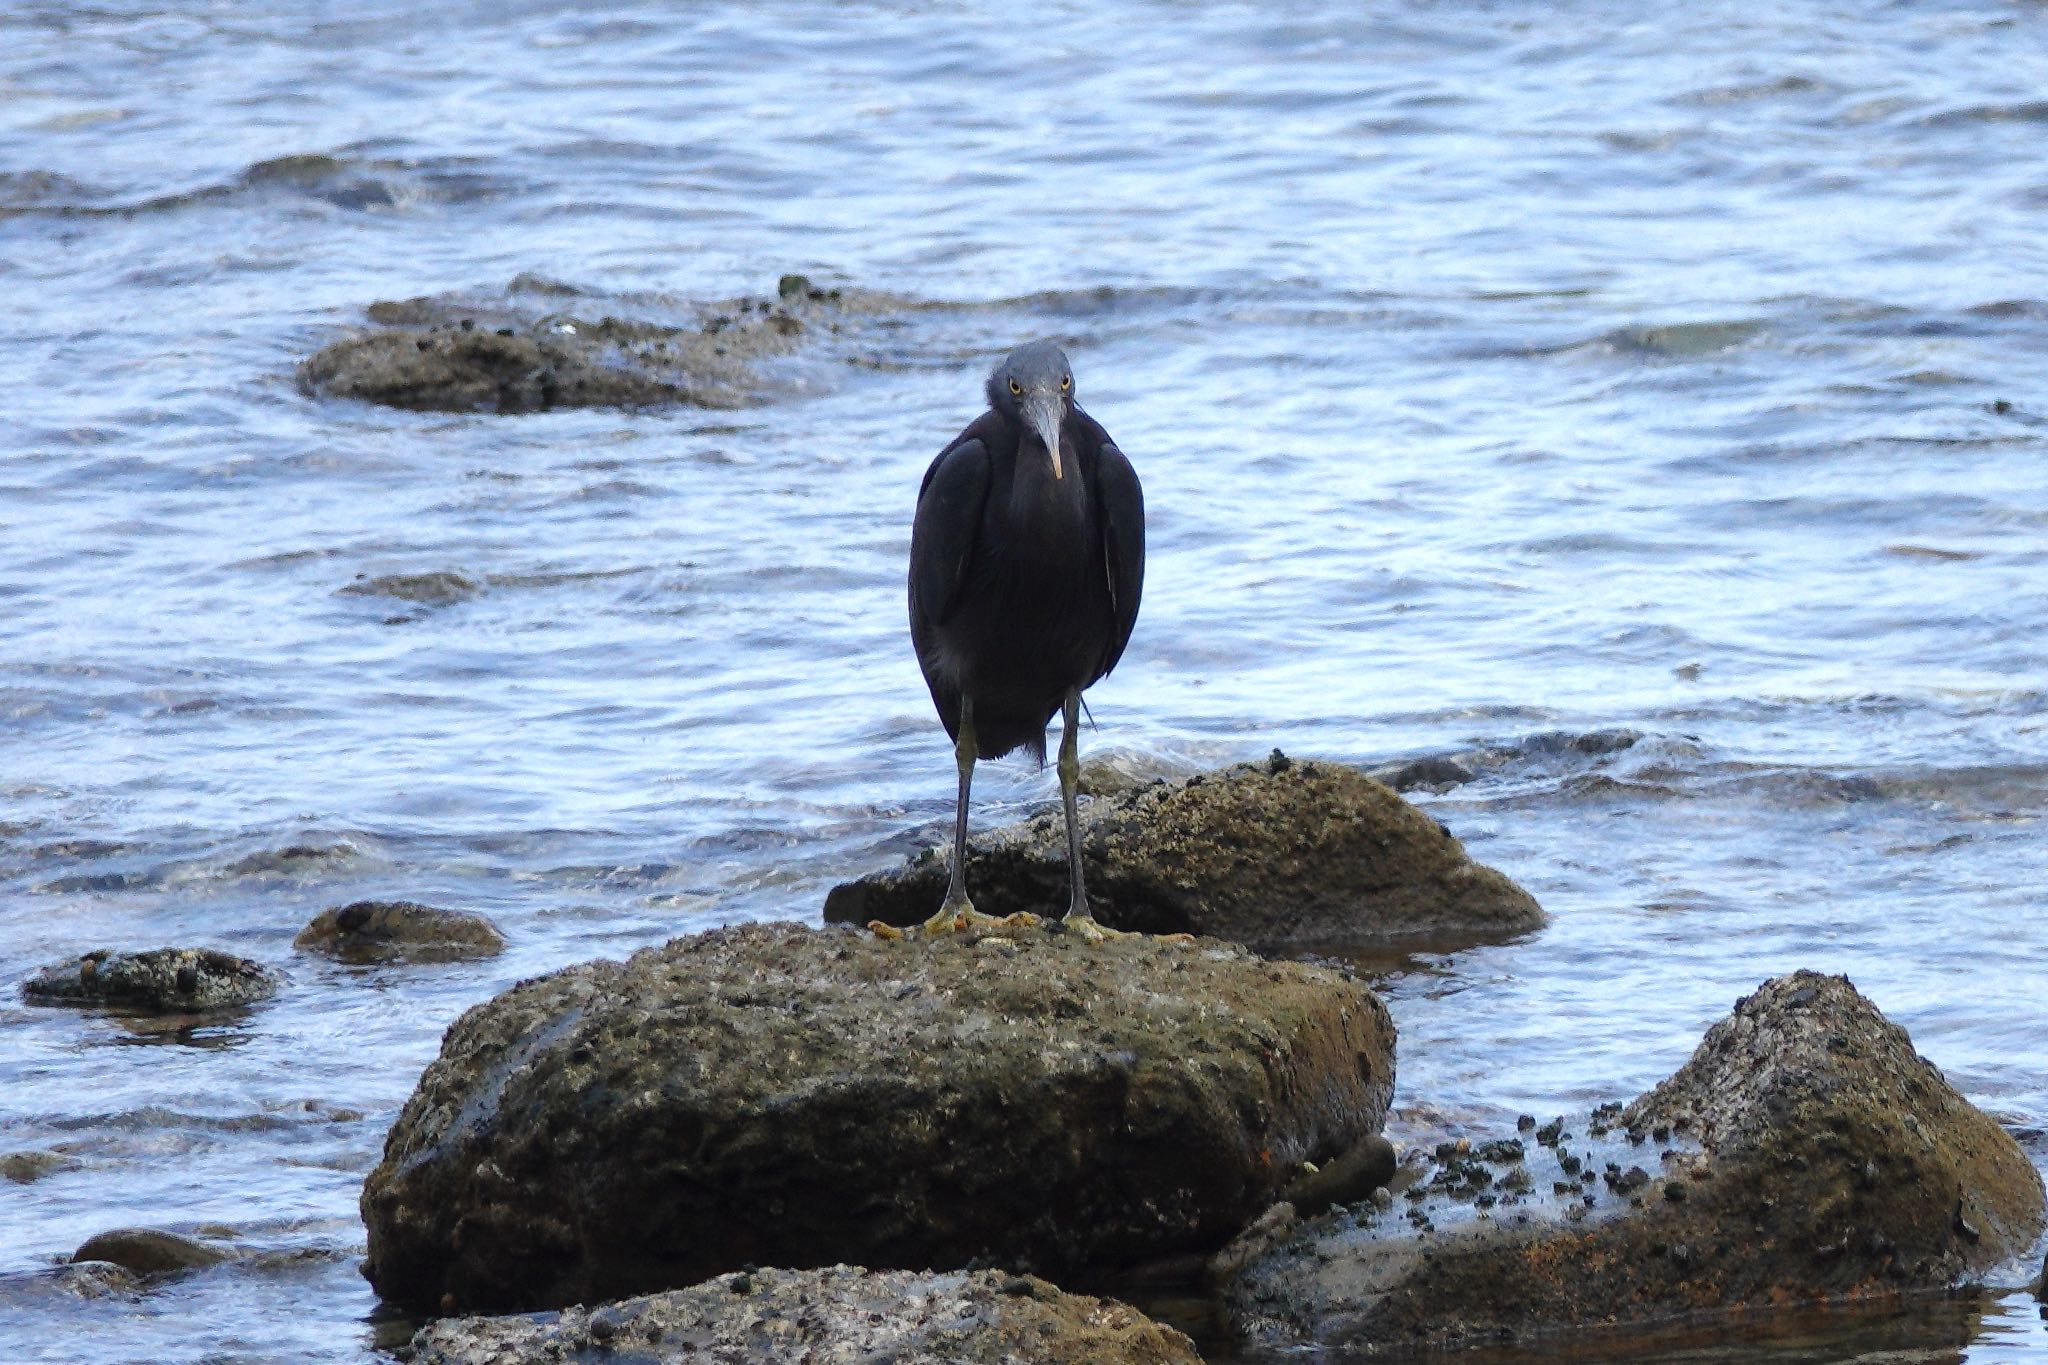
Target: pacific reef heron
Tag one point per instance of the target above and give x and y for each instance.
(1027, 558)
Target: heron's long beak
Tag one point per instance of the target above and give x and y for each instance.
(1044, 415)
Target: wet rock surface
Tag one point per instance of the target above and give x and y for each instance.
(147, 1251)
(1804, 1154)
(839, 1315)
(399, 931)
(26, 1167)
(162, 981)
(1285, 853)
(777, 1095)
(534, 350)
(71, 1280)
(435, 588)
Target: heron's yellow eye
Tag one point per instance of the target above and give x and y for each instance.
(1066, 382)
(1015, 387)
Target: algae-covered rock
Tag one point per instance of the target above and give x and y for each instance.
(399, 931)
(161, 981)
(776, 1095)
(840, 1315)
(1804, 1154)
(520, 355)
(1285, 853)
(148, 1251)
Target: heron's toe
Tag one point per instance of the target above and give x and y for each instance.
(881, 930)
(954, 916)
(1087, 927)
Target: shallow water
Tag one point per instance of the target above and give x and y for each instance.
(1498, 376)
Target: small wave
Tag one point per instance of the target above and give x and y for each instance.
(2026, 111)
(1750, 92)
(356, 184)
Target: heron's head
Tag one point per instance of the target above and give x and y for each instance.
(1035, 385)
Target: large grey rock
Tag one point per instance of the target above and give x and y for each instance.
(1805, 1154)
(1281, 854)
(840, 1315)
(399, 931)
(161, 981)
(776, 1095)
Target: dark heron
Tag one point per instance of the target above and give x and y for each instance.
(1026, 560)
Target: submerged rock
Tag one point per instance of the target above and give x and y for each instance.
(840, 1315)
(68, 1280)
(25, 1167)
(455, 356)
(1285, 853)
(437, 588)
(147, 1251)
(161, 981)
(777, 1095)
(1805, 1153)
(399, 931)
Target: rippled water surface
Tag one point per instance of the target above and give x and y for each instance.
(1500, 376)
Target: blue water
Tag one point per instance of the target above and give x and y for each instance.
(1497, 375)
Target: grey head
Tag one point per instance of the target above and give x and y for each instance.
(1034, 386)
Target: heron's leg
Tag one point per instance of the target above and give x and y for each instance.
(958, 912)
(1078, 919)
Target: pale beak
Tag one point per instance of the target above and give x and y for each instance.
(1045, 422)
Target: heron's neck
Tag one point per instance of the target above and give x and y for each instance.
(1037, 495)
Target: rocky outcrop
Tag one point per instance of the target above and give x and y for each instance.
(1806, 1154)
(526, 354)
(776, 1095)
(399, 931)
(1281, 854)
(840, 1315)
(161, 981)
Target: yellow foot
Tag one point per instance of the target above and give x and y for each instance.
(881, 930)
(1087, 928)
(957, 917)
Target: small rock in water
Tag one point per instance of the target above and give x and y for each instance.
(1433, 774)
(1345, 1179)
(160, 981)
(440, 588)
(146, 1251)
(24, 1167)
(430, 354)
(399, 931)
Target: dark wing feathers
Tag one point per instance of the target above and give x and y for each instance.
(948, 520)
(1121, 503)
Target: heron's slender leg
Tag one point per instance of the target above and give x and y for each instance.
(1078, 919)
(958, 912)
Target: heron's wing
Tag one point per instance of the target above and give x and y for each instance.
(1121, 502)
(948, 521)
